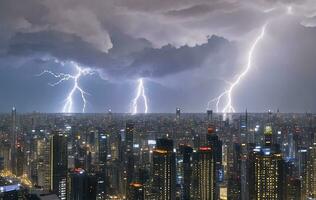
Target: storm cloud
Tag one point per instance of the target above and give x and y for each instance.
(166, 42)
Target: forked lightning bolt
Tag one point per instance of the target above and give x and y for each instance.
(67, 108)
(140, 94)
(227, 94)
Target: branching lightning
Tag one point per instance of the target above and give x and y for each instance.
(67, 108)
(227, 94)
(140, 94)
(228, 107)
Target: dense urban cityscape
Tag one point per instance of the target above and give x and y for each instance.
(157, 100)
(158, 156)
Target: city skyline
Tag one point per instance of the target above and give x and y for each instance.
(192, 54)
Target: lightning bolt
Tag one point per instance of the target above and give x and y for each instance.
(227, 94)
(140, 94)
(80, 71)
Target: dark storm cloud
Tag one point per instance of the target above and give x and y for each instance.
(195, 45)
(146, 62)
(170, 60)
(112, 35)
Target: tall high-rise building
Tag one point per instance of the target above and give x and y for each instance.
(234, 176)
(268, 136)
(178, 112)
(43, 164)
(265, 174)
(136, 191)
(184, 170)
(244, 137)
(13, 141)
(311, 173)
(58, 164)
(209, 114)
(20, 160)
(82, 185)
(216, 146)
(5, 155)
(204, 172)
(128, 156)
(164, 170)
(102, 161)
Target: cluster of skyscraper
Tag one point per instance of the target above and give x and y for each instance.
(158, 156)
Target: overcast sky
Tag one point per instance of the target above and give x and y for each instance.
(187, 52)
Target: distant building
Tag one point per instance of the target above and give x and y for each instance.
(13, 141)
(178, 112)
(209, 114)
(20, 160)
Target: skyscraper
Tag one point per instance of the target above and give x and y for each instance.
(136, 191)
(102, 158)
(164, 170)
(58, 164)
(216, 146)
(209, 114)
(184, 172)
(311, 173)
(234, 176)
(82, 185)
(128, 156)
(20, 160)
(13, 141)
(268, 136)
(265, 174)
(204, 170)
(43, 164)
(178, 112)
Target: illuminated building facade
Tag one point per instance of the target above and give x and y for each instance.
(204, 167)
(216, 146)
(43, 164)
(311, 173)
(102, 161)
(265, 174)
(128, 156)
(58, 164)
(164, 170)
(184, 171)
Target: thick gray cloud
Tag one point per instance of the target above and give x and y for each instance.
(166, 42)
